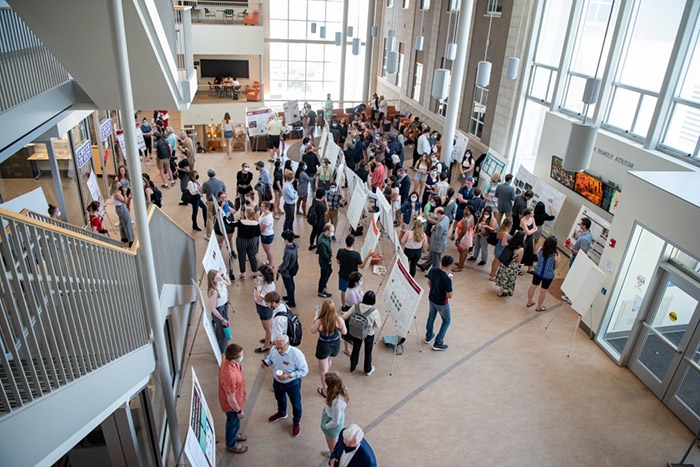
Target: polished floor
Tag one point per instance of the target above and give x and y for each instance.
(505, 393)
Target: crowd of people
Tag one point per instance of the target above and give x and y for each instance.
(436, 200)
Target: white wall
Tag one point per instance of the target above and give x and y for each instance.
(620, 154)
(204, 114)
(221, 39)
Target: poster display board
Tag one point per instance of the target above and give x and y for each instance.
(583, 283)
(291, 112)
(387, 218)
(322, 142)
(209, 328)
(356, 205)
(333, 153)
(353, 180)
(460, 146)
(95, 192)
(371, 238)
(524, 181)
(201, 440)
(552, 199)
(401, 296)
(493, 163)
(600, 229)
(340, 175)
(139, 139)
(256, 120)
(213, 258)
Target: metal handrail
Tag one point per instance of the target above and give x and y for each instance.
(663, 338)
(71, 227)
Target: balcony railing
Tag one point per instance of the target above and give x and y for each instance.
(69, 305)
(225, 13)
(71, 227)
(27, 68)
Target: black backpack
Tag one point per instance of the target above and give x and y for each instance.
(157, 195)
(294, 329)
(312, 215)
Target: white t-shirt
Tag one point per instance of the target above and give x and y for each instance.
(267, 223)
(279, 323)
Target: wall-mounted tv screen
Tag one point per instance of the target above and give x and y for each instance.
(223, 68)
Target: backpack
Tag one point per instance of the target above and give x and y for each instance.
(445, 170)
(294, 268)
(312, 215)
(358, 324)
(157, 195)
(294, 329)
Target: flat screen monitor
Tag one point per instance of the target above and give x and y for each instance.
(222, 68)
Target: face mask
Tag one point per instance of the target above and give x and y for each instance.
(246, 170)
(433, 173)
(323, 164)
(332, 234)
(414, 199)
(360, 283)
(240, 360)
(260, 278)
(349, 448)
(333, 190)
(486, 216)
(196, 177)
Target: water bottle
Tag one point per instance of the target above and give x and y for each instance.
(227, 333)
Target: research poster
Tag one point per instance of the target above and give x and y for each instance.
(256, 120)
(387, 219)
(460, 147)
(371, 238)
(213, 258)
(401, 297)
(291, 112)
(600, 230)
(200, 445)
(524, 181)
(352, 179)
(356, 205)
(340, 175)
(332, 153)
(322, 142)
(493, 163)
(552, 199)
(209, 327)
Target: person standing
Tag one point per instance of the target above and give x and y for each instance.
(147, 131)
(374, 320)
(333, 415)
(232, 397)
(438, 240)
(547, 263)
(264, 182)
(244, 183)
(584, 240)
(414, 242)
(289, 267)
(349, 261)
(290, 367)
(309, 121)
(289, 197)
(274, 129)
(195, 190)
(217, 291)
(163, 153)
(506, 197)
(330, 326)
(334, 200)
(510, 259)
(248, 241)
(325, 259)
(211, 189)
(352, 450)
(440, 284)
(317, 216)
(126, 230)
(186, 147)
(519, 206)
(328, 108)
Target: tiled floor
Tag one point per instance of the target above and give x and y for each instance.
(504, 393)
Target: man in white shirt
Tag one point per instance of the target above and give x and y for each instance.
(422, 146)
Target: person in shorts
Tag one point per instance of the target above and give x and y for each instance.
(349, 261)
(330, 326)
(547, 263)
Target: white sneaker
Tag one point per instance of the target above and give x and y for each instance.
(370, 371)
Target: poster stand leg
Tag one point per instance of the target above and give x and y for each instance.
(685, 456)
(578, 323)
(231, 254)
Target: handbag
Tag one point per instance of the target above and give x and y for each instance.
(267, 195)
(492, 239)
(506, 256)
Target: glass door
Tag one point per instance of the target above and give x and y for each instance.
(665, 356)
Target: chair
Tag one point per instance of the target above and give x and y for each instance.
(253, 94)
(253, 19)
(236, 92)
(209, 14)
(212, 89)
(229, 14)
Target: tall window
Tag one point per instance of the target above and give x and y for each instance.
(640, 73)
(417, 79)
(476, 121)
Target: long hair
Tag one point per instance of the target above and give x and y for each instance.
(488, 210)
(418, 232)
(336, 387)
(327, 316)
(227, 117)
(516, 240)
(549, 247)
(266, 271)
(504, 228)
(126, 173)
(211, 285)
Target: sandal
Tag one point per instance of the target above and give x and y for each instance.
(492, 278)
(501, 294)
(241, 437)
(530, 304)
(347, 353)
(456, 269)
(261, 350)
(542, 308)
(237, 449)
(510, 293)
(320, 391)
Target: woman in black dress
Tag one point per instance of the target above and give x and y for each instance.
(527, 225)
(244, 180)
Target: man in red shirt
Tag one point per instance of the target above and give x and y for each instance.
(232, 397)
(378, 175)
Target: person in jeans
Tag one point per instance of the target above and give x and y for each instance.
(232, 397)
(438, 240)
(289, 260)
(290, 367)
(325, 259)
(375, 321)
(440, 284)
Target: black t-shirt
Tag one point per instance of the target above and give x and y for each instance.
(440, 286)
(349, 261)
(312, 117)
(312, 163)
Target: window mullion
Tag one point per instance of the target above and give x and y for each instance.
(682, 47)
(567, 52)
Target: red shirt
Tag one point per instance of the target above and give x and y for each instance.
(378, 176)
(96, 222)
(231, 382)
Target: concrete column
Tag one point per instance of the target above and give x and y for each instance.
(148, 274)
(457, 82)
(368, 48)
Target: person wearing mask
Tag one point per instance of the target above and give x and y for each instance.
(147, 132)
(325, 259)
(289, 267)
(367, 309)
(195, 189)
(334, 201)
(486, 224)
(244, 183)
(324, 174)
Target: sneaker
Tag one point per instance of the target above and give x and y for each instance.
(285, 298)
(324, 295)
(173, 183)
(296, 236)
(481, 263)
(471, 258)
(296, 429)
(439, 346)
(311, 247)
(275, 417)
(370, 371)
(428, 341)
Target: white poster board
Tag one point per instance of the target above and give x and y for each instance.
(493, 163)
(213, 258)
(460, 146)
(34, 201)
(353, 179)
(387, 218)
(340, 175)
(94, 189)
(356, 205)
(600, 230)
(200, 443)
(209, 328)
(256, 120)
(583, 283)
(139, 139)
(552, 199)
(322, 142)
(524, 181)
(332, 153)
(291, 112)
(371, 238)
(401, 296)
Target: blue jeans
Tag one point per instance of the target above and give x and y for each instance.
(326, 270)
(480, 244)
(293, 390)
(233, 424)
(444, 311)
(289, 287)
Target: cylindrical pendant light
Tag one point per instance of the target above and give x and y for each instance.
(338, 38)
(350, 31)
(419, 43)
(483, 74)
(580, 148)
(451, 51)
(512, 67)
(455, 5)
(322, 32)
(375, 31)
(356, 46)
(390, 42)
(313, 28)
(391, 33)
(392, 62)
(590, 92)
(441, 83)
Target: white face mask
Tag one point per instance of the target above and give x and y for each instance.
(414, 199)
(240, 360)
(332, 234)
(246, 170)
(58, 213)
(360, 283)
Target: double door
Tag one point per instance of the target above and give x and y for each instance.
(666, 355)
